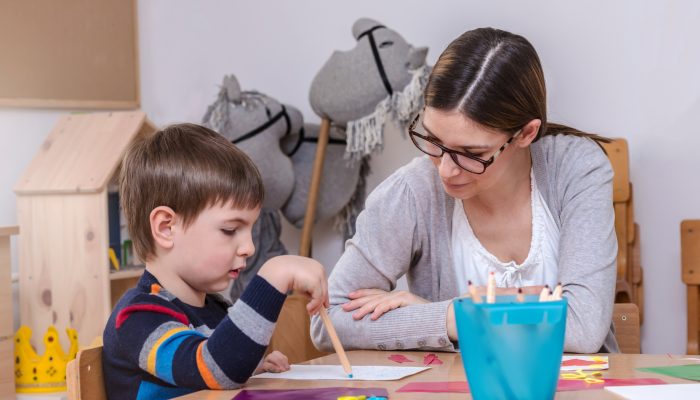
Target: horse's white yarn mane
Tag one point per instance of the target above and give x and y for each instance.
(365, 135)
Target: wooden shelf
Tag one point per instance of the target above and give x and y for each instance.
(127, 272)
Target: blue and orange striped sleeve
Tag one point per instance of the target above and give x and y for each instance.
(157, 336)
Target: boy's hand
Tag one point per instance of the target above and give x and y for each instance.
(274, 362)
(300, 274)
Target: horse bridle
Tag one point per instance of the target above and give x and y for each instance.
(273, 119)
(377, 58)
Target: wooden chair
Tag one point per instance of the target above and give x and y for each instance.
(626, 322)
(690, 273)
(629, 271)
(84, 377)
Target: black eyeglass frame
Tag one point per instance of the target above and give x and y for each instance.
(454, 153)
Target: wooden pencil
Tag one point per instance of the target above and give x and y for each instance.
(520, 298)
(491, 288)
(336, 342)
(557, 292)
(472, 292)
(544, 294)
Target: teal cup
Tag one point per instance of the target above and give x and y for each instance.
(511, 350)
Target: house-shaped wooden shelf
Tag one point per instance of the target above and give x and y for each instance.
(64, 271)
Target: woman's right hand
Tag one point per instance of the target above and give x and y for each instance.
(378, 302)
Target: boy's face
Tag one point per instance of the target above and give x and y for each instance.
(213, 249)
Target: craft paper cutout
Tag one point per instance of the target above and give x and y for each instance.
(674, 391)
(399, 358)
(431, 359)
(588, 363)
(689, 371)
(335, 372)
(594, 377)
(309, 394)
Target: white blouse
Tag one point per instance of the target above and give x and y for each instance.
(473, 262)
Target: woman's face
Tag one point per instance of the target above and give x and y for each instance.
(457, 132)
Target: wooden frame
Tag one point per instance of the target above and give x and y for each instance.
(69, 54)
(626, 322)
(690, 273)
(7, 376)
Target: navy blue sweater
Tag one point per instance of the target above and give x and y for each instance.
(157, 347)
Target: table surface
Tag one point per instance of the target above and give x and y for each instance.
(621, 366)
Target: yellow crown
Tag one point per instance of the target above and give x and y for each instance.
(35, 374)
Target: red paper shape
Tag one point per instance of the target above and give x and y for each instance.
(565, 385)
(577, 362)
(399, 358)
(431, 359)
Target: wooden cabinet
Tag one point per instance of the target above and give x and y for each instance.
(7, 377)
(62, 208)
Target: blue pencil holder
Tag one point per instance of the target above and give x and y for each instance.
(511, 350)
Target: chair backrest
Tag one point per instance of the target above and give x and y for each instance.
(626, 322)
(84, 375)
(690, 273)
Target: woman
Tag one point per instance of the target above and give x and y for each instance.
(500, 190)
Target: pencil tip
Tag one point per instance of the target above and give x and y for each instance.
(520, 290)
(469, 282)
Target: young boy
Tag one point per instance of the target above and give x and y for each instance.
(190, 198)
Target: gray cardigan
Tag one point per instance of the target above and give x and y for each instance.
(406, 227)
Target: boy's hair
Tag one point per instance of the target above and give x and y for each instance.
(186, 167)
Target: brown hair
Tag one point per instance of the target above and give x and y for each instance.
(494, 78)
(186, 167)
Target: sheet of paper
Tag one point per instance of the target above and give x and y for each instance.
(675, 391)
(586, 363)
(689, 371)
(335, 372)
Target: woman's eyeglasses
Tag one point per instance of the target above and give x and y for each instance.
(464, 160)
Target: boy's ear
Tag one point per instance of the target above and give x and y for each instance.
(162, 219)
(529, 132)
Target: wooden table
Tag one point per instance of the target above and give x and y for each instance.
(621, 366)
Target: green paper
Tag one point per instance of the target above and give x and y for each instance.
(690, 371)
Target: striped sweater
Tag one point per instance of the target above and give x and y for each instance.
(157, 347)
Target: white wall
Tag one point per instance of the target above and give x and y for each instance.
(624, 68)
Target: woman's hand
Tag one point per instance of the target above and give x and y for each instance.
(378, 302)
(274, 362)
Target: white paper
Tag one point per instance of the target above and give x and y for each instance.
(335, 372)
(655, 392)
(601, 365)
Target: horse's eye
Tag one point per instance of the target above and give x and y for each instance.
(385, 43)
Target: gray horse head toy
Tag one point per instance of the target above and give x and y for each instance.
(339, 180)
(359, 91)
(256, 123)
(382, 78)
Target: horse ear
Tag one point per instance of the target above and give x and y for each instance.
(416, 57)
(232, 88)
